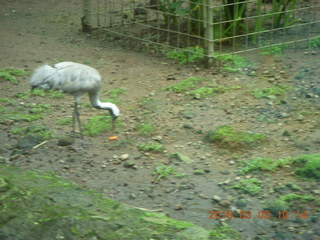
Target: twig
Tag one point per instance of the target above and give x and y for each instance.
(40, 144)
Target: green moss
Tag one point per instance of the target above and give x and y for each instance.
(266, 164)
(163, 171)
(45, 93)
(277, 205)
(308, 166)
(6, 100)
(145, 129)
(187, 55)
(278, 90)
(224, 232)
(21, 117)
(97, 125)
(207, 91)
(226, 136)
(293, 196)
(64, 121)
(251, 186)
(150, 147)
(11, 74)
(185, 85)
(39, 108)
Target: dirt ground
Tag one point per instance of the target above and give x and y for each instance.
(37, 32)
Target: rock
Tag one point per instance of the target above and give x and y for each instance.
(129, 164)
(26, 143)
(182, 158)
(65, 141)
(124, 157)
(178, 207)
(198, 172)
(224, 203)
(216, 198)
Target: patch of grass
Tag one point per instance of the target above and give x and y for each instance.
(223, 232)
(39, 108)
(293, 196)
(64, 121)
(163, 171)
(308, 166)
(97, 125)
(43, 131)
(17, 131)
(22, 95)
(226, 136)
(274, 50)
(314, 43)
(11, 74)
(145, 129)
(6, 100)
(204, 92)
(278, 90)
(278, 205)
(251, 186)
(2, 109)
(21, 117)
(231, 63)
(150, 147)
(185, 85)
(113, 95)
(49, 93)
(265, 164)
(187, 55)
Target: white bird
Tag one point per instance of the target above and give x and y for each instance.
(75, 79)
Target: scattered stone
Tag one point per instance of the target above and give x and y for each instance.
(216, 198)
(132, 196)
(178, 207)
(198, 172)
(124, 157)
(224, 203)
(129, 164)
(65, 141)
(182, 158)
(203, 196)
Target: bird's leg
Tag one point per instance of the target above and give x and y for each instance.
(76, 114)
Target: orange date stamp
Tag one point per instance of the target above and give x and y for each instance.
(258, 215)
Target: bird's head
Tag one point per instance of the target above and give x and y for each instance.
(113, 109)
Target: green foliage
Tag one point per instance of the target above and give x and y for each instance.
(308, 166)
(21, 117)
(281, 14)
(163, 171)
(150, 147)
(231, 63)
(49, 93)
(185, 85)
(277, 50)
(314, 43)
(97, 124)
(293, 196)
(224, 232)
(43, 131)
(226, 136)
(11, 74)
(277, 205)
(251, 186)
(171, 10)
(6, 100)
(145, 129)
(278, 90)
(39, 108)
(115, 93)
(187, 55)
(207, 91)
(267, 164)
(64, 121)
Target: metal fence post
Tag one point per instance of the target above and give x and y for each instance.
(209, 34)
(86, 18)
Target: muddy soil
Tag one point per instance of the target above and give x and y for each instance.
(37, 32)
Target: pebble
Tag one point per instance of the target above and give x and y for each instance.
(216, 198)
(224, 203)
(124, 157)
(178, 207)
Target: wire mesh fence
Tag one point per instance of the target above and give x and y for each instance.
(207, 27)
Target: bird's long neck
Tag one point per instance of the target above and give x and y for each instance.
(94, 99)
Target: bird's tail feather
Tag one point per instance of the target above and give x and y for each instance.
(43, 77)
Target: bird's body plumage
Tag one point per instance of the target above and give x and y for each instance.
(75, 79)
